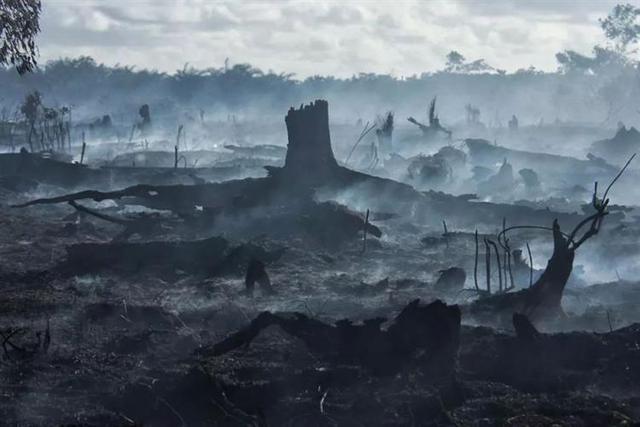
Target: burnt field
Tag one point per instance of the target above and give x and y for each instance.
(421, 281)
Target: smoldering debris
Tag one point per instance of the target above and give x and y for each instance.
(315, 291)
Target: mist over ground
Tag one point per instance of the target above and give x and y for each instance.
(235, 246)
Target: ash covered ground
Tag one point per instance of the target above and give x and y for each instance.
(278, 285)
(237, 247)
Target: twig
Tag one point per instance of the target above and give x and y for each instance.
(322, 400)
(606, 192)
(364, 133)
(529, 227)
(172, 409)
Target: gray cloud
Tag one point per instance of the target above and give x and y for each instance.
(330, 37)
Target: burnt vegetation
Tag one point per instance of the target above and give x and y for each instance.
(180, 264)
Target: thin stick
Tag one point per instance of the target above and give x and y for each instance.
(512, 285)
(133, 129)
(487, 260)
(507, 258)
(178, 136)
(364, 237)
(505, 247)
(84, 147)
(475, 264)
(530, 265)
(364, 133)
(446, 232)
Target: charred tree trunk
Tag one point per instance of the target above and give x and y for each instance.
(309, 153)
(543, 298)
(540, 301)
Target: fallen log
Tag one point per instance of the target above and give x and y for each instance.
(423, 334)
(310, 168)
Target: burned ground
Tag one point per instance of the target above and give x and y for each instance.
(310, 294)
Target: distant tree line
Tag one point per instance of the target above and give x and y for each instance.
(593, 88)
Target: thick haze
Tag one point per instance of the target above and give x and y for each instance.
(329, 38)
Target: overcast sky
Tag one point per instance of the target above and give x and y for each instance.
(313, 37)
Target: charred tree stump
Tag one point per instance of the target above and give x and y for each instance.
(543, 298)
(541, 301)
(309, 153)
(524, 328)
(256, 272)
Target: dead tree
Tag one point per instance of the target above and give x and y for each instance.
(543, 299)
(434, 126)
(384, 133)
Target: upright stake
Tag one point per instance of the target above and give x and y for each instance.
(487, 260)
(507, 252)
(364, 236)
(475, 264)
(180, 128)
(84, 147)
(446, 232)
(69, 134)
(175, 157)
